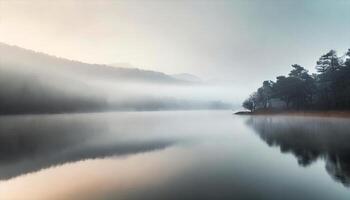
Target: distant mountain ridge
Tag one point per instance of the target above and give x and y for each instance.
(187, 77)
(34, 83)
(14, 55)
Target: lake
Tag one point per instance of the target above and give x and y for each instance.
(173, 155)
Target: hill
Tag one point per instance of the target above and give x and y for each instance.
(19, 57)
(33, 82)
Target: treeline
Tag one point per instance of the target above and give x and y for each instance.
(328, 89)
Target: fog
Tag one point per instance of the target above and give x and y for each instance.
(92, 155)
(33, 82)
(245, 41)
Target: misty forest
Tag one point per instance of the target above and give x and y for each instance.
(33, 82)
(328, 89)
(174, 100)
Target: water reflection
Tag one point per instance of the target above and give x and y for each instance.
(94, 179)
(30, 143)
(171, 155)
(309, 139)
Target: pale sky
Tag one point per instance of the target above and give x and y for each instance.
(246, 41)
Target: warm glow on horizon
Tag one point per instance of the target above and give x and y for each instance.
(96, 178)
(214, 40)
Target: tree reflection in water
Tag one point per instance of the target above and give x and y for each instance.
(309, 139)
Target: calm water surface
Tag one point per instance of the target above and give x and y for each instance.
(174, 155)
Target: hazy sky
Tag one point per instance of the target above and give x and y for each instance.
(246, 41)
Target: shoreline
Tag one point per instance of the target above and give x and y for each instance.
(333, 113)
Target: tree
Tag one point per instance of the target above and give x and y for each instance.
(329, 88)
(340, 83)
(327, 62)
(289, 90)
(248, 104)
(266, 92)
(251, 102)
(297, 89)
(298, 72)
(327, 66)
(308, 86)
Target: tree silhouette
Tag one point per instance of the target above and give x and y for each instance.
(328, 89)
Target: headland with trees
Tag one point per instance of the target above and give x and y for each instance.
(326, 90)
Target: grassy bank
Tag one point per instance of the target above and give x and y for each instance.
(333, 113)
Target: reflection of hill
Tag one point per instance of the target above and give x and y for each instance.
(31, 143)
(309, 139)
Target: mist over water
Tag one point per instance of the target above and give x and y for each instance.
(172, 155)
(34, 82)
(145, 99)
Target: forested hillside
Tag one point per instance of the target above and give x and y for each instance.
(32, 82)
(328, 89)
